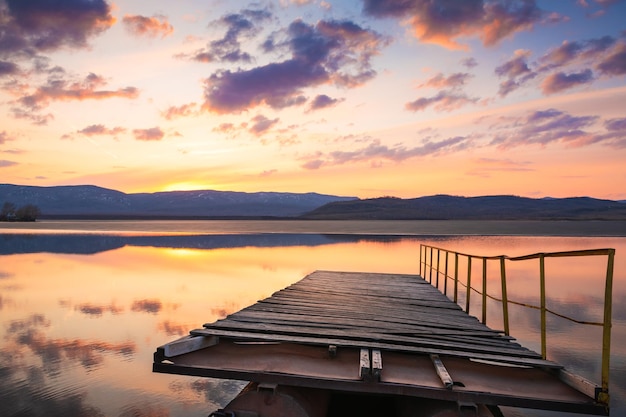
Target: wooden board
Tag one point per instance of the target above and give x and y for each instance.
(382, 311)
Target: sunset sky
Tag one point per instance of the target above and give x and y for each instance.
(358, 98)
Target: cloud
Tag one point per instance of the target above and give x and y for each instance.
(225, 128)
(469, 62)
(8, 68)
(560, 81)
(323, 101)
(375, 151)
(576, 52)
(442, 22)
(331, 52)
(245, 24)
(185, 110)
(99, 129)
(569, 65)
(615, 63)
(442, 101)
(151, 27)
(5, 137)
(147, 306)
(261, 124)
(173, 329)
(154, 133)
(36, 119)
(98, 310)
(88, 353)
(455, 80)
(31, 26)
(59, 89)
(4, 163)
(516, 71)
(544, 127)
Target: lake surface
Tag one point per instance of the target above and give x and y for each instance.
(83, 305)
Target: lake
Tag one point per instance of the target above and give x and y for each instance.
(83, 305)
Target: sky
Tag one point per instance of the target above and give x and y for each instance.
(364, 98)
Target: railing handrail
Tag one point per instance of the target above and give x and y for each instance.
(602, 395)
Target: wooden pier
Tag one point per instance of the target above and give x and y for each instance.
(373, 333)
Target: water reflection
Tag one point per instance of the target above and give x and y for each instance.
(88, 244)
(83, 314)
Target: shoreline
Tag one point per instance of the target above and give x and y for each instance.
(570, 228)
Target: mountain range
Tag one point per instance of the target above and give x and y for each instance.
(446, 207)
(88, 201)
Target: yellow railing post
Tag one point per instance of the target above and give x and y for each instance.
(603, 396)
(445, 276)
(484, 320)
(437, 269)
(505, 299)
(456, 277)
(430, 274)
(420, 267)
(542, 280)
(469, 284)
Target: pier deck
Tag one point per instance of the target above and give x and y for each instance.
(375, 333)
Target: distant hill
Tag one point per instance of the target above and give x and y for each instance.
(445, 207)
(88, 201)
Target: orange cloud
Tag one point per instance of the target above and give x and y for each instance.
(62, 90)
(148, 26)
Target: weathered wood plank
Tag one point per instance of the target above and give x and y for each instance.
(244, 335)
(371, 335)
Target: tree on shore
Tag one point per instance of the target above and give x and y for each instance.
(27, 213)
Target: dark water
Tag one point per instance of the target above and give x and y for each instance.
(83, 305)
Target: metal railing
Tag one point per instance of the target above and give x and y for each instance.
(429, 265)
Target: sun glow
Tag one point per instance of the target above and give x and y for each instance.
(186, 186)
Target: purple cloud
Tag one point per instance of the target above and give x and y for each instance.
(374, 151)
(615, 63)
(322, 101)
(261, 124)
(36, 119)
(245, 24)
(616, 124)
(336, 52)
(516, 71)
(154, 133)
(560, 81)
(469, 62)
(442, 101)
(100, 129)
(545, 127)
(441, 22)
(4, 163)
(31, 26)
(455, 80)
(8, 68)
(569, 53)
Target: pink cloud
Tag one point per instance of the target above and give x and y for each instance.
(154, 133)
(151, 27)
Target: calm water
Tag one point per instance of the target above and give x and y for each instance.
(83, 305)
